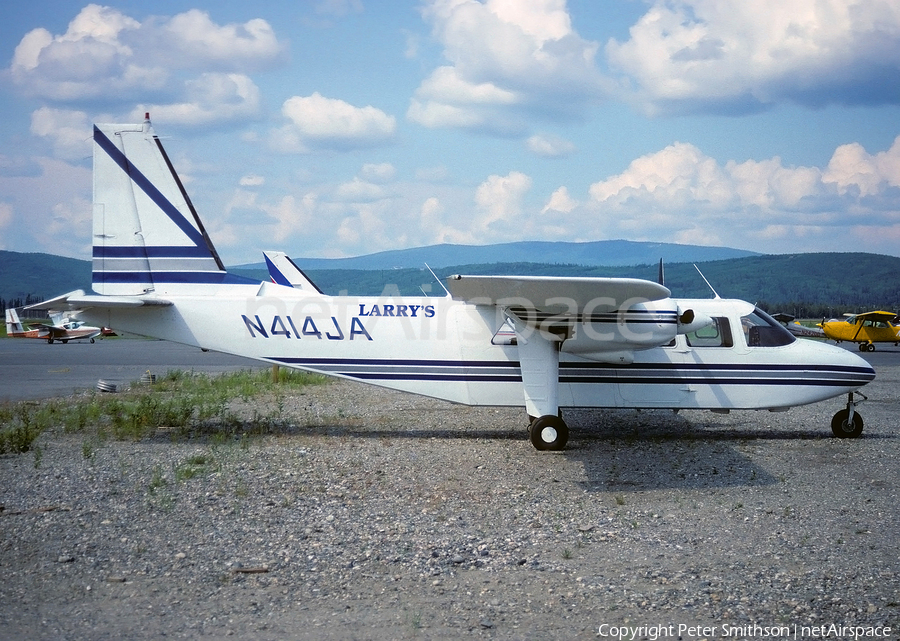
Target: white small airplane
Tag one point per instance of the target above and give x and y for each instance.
(546, 343)
(795, 328)
(62, 329)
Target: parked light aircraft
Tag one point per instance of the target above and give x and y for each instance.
(796, 328)
(546, 342)
(866, 329)
(62, 329)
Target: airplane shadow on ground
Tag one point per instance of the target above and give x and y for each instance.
(620, 450)
(617, 460)
(631, 450)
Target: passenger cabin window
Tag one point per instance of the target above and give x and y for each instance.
(761, 330)
(716, 334)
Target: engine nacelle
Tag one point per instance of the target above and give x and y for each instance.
(607, 336)
(690, 321)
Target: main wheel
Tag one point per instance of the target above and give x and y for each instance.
(549, 433)
(843, 427)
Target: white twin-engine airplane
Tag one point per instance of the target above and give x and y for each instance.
(547, 343)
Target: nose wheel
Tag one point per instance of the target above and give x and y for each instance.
(848, 423)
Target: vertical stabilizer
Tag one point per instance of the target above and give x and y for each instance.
(13, 324)
(147, 236)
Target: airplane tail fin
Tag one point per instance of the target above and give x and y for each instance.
(13, 324)
(147, 235)
(283, 271)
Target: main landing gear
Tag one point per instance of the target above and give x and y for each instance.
(847, 423)
(548, 433)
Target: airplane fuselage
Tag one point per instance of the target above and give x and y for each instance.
(443, 348)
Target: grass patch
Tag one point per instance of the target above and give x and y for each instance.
(186, 404)
(194, 466)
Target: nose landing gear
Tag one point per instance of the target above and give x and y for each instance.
(847, 423)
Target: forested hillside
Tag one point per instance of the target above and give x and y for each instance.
(806, 285)
(31, 278)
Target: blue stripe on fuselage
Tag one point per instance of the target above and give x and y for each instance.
(587, 372)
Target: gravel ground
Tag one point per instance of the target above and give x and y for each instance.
(379, 515)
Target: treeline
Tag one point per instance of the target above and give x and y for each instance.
(20, 302)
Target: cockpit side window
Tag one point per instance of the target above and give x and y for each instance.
(761, 330)
(716, 334)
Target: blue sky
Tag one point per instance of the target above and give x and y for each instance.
(346, 127)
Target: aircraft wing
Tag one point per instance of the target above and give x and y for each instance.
(555, 294)
(79, 300)
(886, 317)
(55, 332)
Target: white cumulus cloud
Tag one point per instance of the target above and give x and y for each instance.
(208, 98)
(499, 198)
(69, 132)
(733, 56)
(680, 194)
(320, 122)
(193, 68)
(560, 201)
(504, 56)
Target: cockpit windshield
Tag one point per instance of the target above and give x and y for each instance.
(761, 330)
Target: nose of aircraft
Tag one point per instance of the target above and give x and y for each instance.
(854, 370)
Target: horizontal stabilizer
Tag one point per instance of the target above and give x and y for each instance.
(555, 294)
(283, 271)
(79, 300)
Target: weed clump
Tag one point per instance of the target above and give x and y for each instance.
(182, 402)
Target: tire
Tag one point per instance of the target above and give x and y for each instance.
(844, 429)
(549, 433)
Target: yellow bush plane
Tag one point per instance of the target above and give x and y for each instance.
(866, 329)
